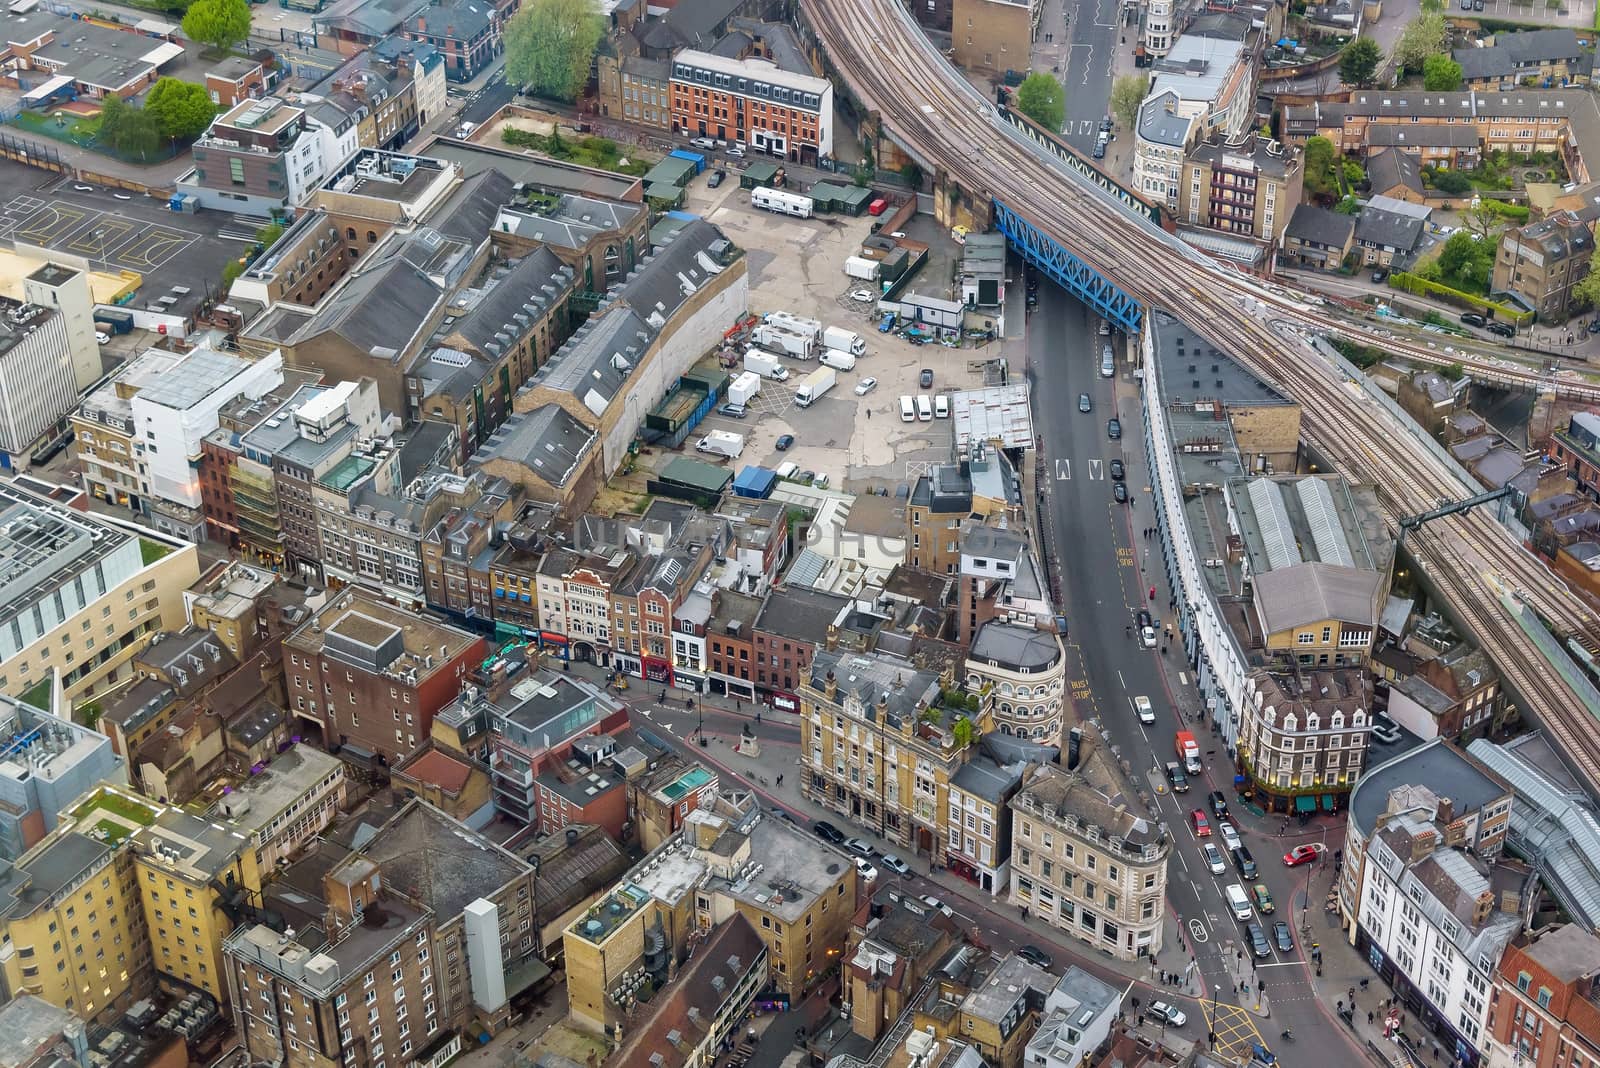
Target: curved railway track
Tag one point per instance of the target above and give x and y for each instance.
(892, 69)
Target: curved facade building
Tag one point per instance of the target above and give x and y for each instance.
(1026, 671)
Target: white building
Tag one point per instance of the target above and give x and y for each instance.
(1026, 669)
(64, 289)
(1214, 79)
(1161, 137)
(37, 384)
(1077, 1018)
(1158, 27)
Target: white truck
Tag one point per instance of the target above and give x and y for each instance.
(722, 443)
(839, 361)
(837, 337)
(776, 338)
(744, 388)
(795, 324)
(766, 365)
(815, 385)
(861, 267)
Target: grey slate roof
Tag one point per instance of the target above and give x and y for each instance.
(1316, 591)
(380, 310)
(1160, 123)
(1409, 135)
(1515, 53)
(1391, 168)
(672, 274)
(1320, 226)
(1388, 229)
(1436, 765)
(512, 302)
(470, 212)
(1014, 646)
(461, 20)
(547, 440)
(801, 613)
(437, 860)
(595, 362)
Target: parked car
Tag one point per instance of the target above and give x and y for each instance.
(1302, 854)
(1084, 404)
(896, 865)
(1214, 859)
(1202, 826)
(934, 903)
(925, 379)
(1035, 956)
(1119, 492)
(868, 872)
(702, 142)
(865, 386)
(1219, 804)
(1502, 329)
(736, 151)
(1118, 471)
(716, 178)
(731, 410)
(1143, 618)
(1380, 275)
(1258, 940)
(1282, 936)
(1168, 1012)
(779, 812)
(1114, 428)
(784, 441)
(827, 832)
(858, 846)
(1473, 319)
(101, 337)
(865, 296)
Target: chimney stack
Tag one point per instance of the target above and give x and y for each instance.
(1074, 747)
(830, 686)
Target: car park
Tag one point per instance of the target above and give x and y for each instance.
(1035, 956)
(1303, 854)
(1214, 860)
(1201, 825)
(1258, 940)
(1141, 705)
(1119, 492)
(1162, 1010)
(865, 386)
(1119, 471)
(1230, 836)
(1084, 404)
(868, 872)
(925, 379)
(731, 410)
(1282, 936)
(1114, 428)
(827, 832)
(896, 865)
(1175, 776)
(784, 441)
(1263, 898)
(1219, 804)
(858, 846)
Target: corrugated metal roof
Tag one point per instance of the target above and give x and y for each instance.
(1317, 501)
(1277, 533)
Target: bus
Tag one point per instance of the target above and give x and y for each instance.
(782, 202)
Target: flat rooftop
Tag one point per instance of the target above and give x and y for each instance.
(293, 774)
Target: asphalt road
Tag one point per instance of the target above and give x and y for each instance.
(483, 103)
(1106, 575)
(1092, 35)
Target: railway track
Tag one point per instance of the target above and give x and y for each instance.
(892, 69)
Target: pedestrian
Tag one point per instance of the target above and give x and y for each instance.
(1370, 1018)
(780, 780)
(869, 413)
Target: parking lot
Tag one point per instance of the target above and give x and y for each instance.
(797, 265)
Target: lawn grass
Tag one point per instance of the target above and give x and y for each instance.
(119, 805)
(151, 551)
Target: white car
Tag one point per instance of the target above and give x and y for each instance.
(868, 872)
(865, 386)
(703, 142)
(1230, 836)
(934, 903)
(1170, 1013)
(101, 337)
(1147, 637)
(1214, 859)
(865, 296)
(858, 846)
(1147, 714)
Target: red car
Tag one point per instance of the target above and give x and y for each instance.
(1303, 854)
(1202, 826)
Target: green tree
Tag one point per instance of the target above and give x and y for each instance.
(1127, 93)
(1041, 98)
(551, 43)
(128, 129)
(962, 731)
(1424, 36)
(1319, 160)
(1587, 289)
(911, 174)
(1465, 262)
(1453, 182)
(1441, 74)
(1359, 63)
(181, 109)
(218, 23)
(1452, 371)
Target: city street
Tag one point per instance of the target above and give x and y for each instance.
(1079, 41)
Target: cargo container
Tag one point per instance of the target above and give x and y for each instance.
(860, 267)
(743, 388)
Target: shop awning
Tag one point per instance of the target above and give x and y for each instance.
(1327, 802)
(1305, 803)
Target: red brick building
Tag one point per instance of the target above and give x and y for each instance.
(755, 102)
(794, 623)
(1544, 1009)
(371, 676)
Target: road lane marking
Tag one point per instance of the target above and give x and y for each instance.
(1063, 470)
(1097, 470)
(1197, 931)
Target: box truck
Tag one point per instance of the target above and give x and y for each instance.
(722, 443)
(861, 267)
(787, 342)
(744, 388)
(815, 385)
(837, 337)
(1189, 751)
(766, 365)
(795, 324)
(839, 361)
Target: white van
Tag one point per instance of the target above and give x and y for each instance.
(1108, 363)
(908, 412)
(1238, 902)
(941, 407)
(786, 469)
(924, 409)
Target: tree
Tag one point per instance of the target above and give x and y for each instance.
(1424, 36)
(911, 174)
(1453, 182)
(181, 109)
(1587, 289)
(551, 43)
(1041, 98)
(1465, 262)
(218, 23)
(1127, 93)
(1360, 62)
(1453, 371)
(1441, 74)
(1483, 217)
(1319, 159)
(128, 129)
(962, 732)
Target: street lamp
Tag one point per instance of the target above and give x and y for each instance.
(1211, 1025)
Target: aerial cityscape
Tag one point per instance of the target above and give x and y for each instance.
(799, 534)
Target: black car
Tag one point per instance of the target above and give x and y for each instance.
(925, 379)
(1119, 492)
(1380, 275)
(782, 813)
(1118, 471)
(1143, 616)
(1258, 940)
(783, 442)
(1282, 936)
(1502, 329)
(1473, 319)
(1175, 775)
(1035, 956)
(716, 178)
(1219, 804)
(827, 832)
(1114, 428)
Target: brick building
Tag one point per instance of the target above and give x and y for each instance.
(772, 111)
(1544, 1010)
